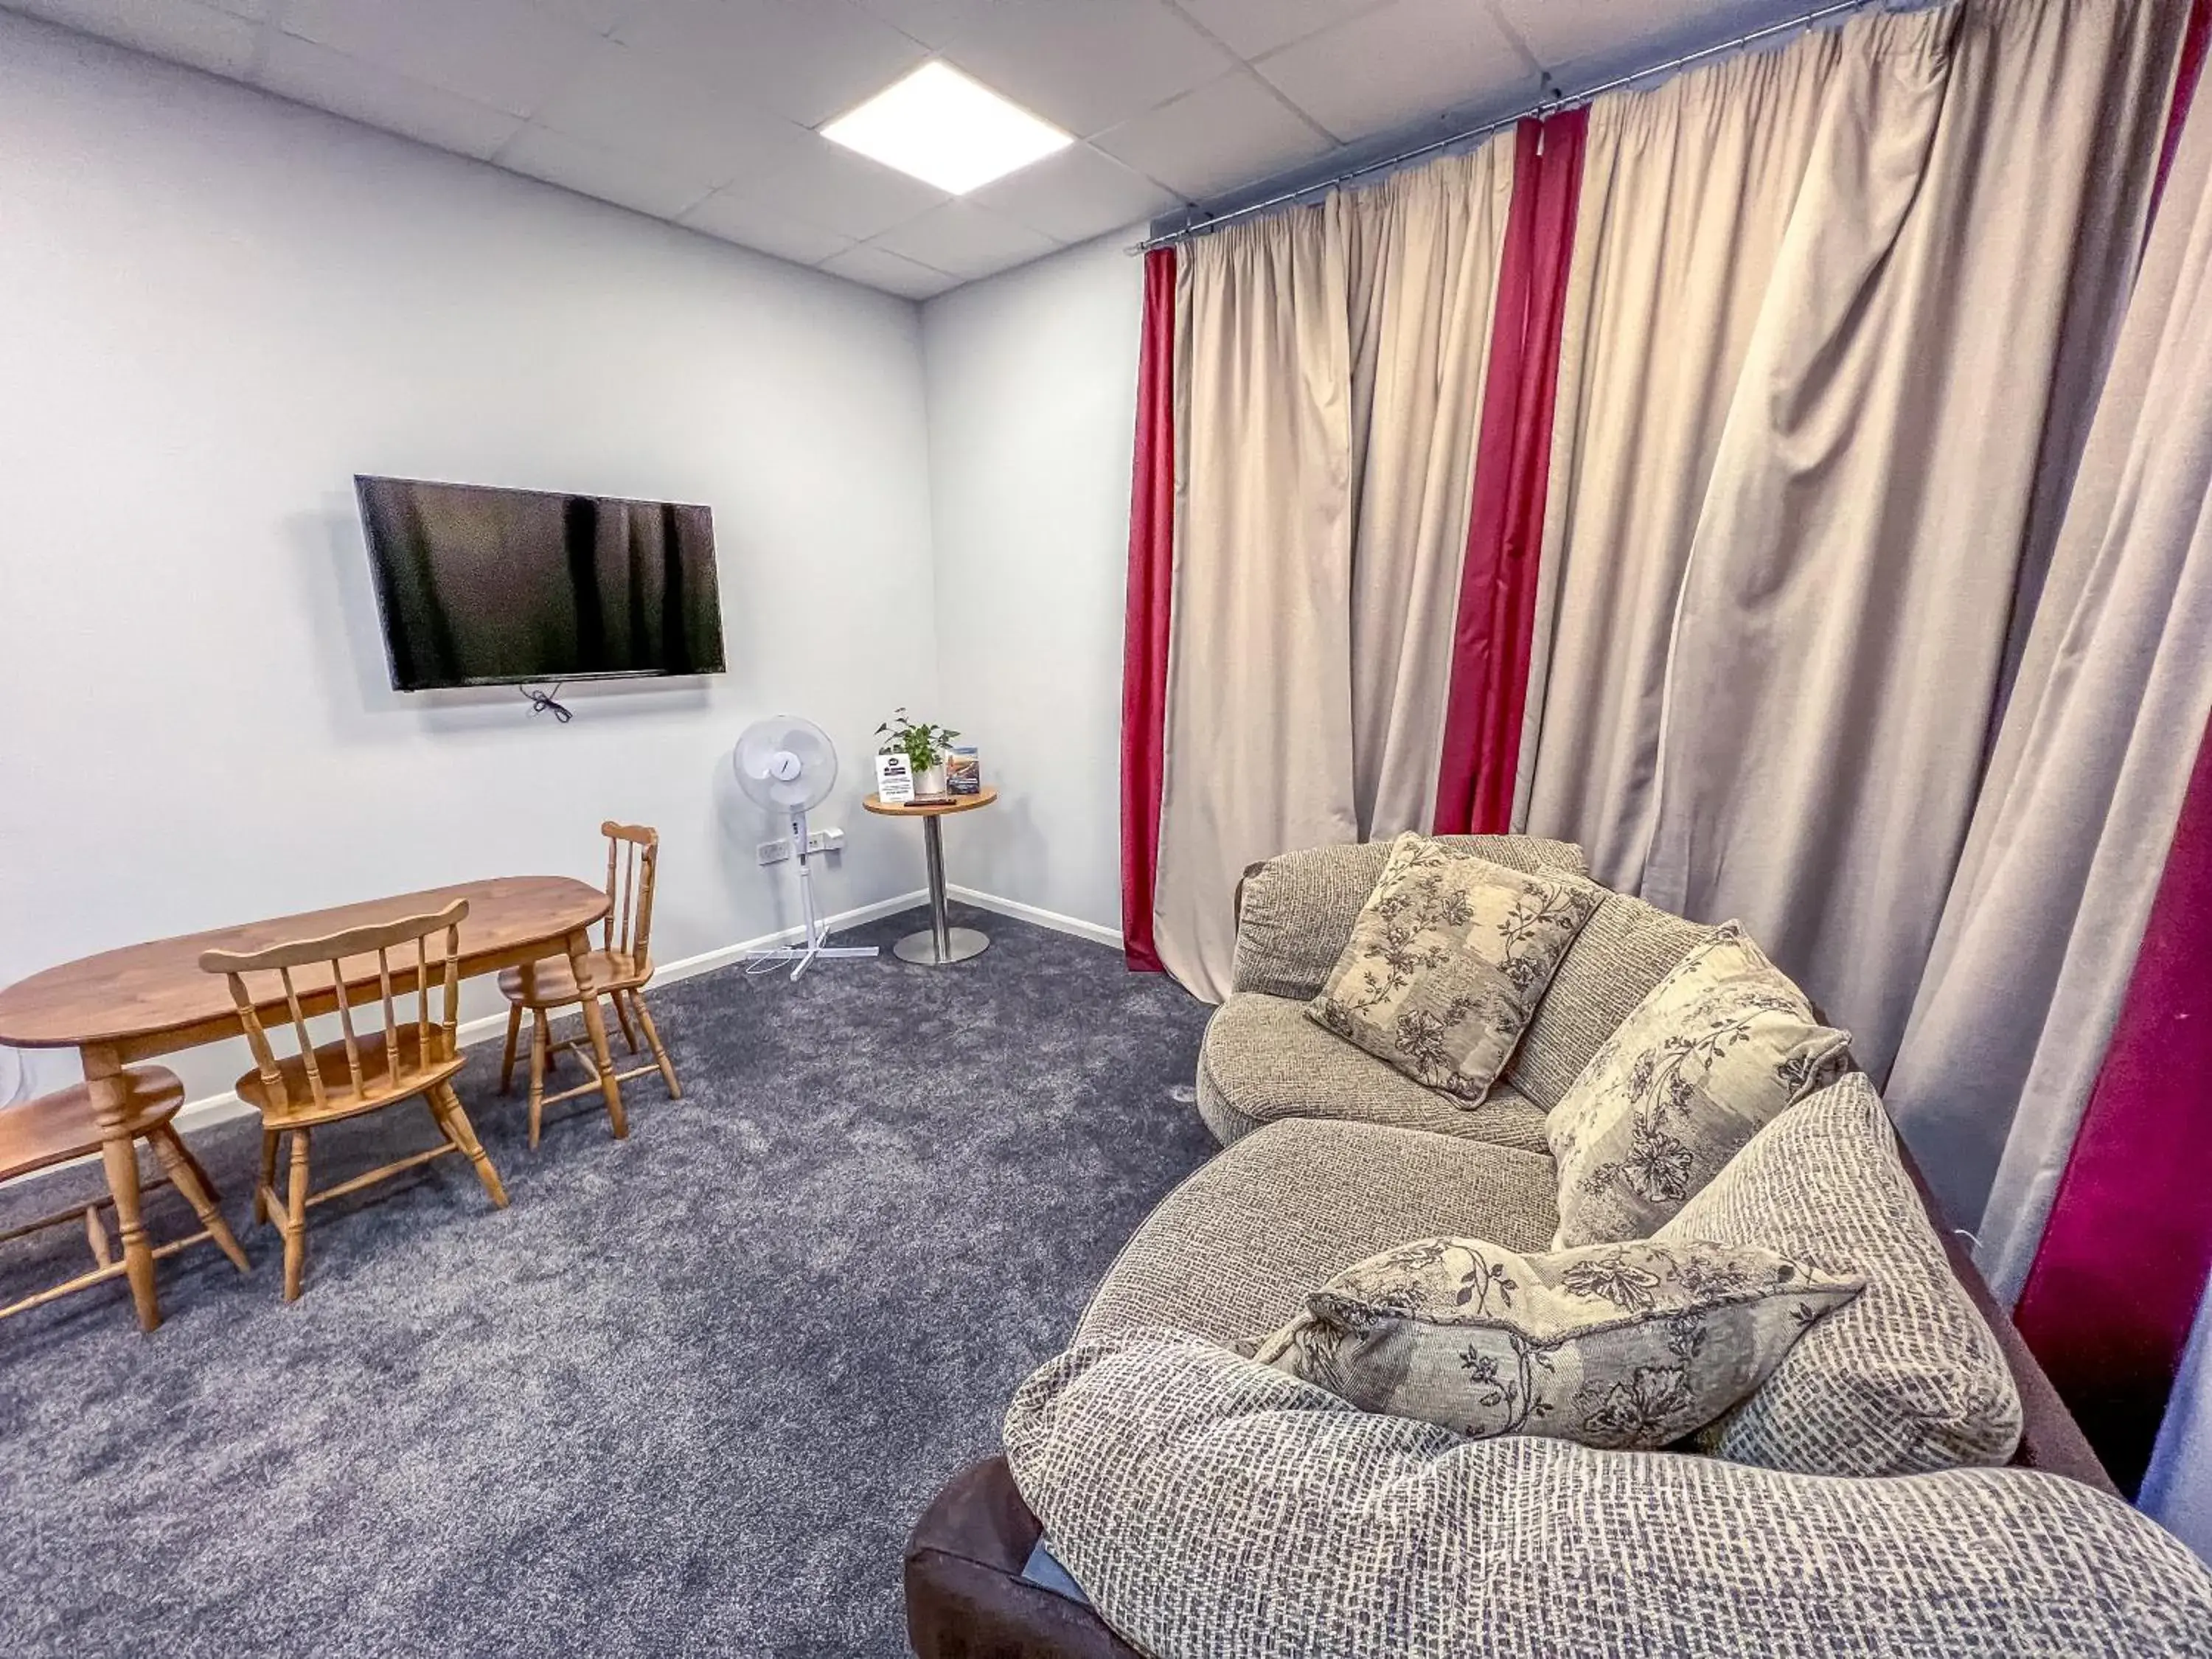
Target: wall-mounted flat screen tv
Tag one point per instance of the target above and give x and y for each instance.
(480, 586)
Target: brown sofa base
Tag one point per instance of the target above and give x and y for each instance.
(965, 1596)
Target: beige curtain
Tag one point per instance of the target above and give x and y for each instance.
(1328, 394)
(2040, 934)
(1686, 192)
(1946, 297)
(1828, 378)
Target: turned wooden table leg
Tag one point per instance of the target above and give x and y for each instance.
(103, 1072)
(595, 1027)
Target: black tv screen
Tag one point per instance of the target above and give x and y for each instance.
(481, 586)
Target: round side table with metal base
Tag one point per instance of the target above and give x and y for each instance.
(940, 942)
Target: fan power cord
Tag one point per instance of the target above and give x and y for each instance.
(545, 702)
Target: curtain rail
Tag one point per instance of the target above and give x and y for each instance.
(1543, 107)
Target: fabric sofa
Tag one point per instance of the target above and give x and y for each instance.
(1212, 1506)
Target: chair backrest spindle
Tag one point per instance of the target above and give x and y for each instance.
(331, 954)
(633, 855)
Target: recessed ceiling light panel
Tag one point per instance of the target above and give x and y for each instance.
(946, 130)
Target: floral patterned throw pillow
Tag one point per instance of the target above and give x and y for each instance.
(1634, 1345)
(1447, 960)
(1705, 1061)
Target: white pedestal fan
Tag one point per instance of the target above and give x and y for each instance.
(788, 765)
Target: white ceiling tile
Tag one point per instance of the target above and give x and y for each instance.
(1392, 68)
(347, 85)
(1232, 133)
(964, 240)
(806, 176)
(735, 220)
(205, 37)
(503, 53)
(600, 16)
(1561, 33)
(1250, 27)
(880, 268)
(622, 179)
(806, 60)
(632, 103)
(1077, 194)
(1083, 64)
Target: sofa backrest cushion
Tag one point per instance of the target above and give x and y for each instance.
(1214, 1508)
(1623, 951)
(1908, 1377)
(1296, 911)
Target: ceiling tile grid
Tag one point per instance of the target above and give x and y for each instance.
(703, 112)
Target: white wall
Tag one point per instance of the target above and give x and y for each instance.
(215, 308)
(1032, 381)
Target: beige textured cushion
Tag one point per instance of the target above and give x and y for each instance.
(1235, 1248)
(1908, 1377)
(1720, 1045)
(1624, 948)
(1295, 911)
(1215, 1509)
(1447, 960)
(1630, 1345)
(1263, 1060)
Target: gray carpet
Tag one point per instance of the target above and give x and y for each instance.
(686, 1397)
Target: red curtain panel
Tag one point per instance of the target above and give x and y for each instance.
(2187, 73)
(1152, 590)
(2114, 1293)
(2110, 1300)
(1513, 460)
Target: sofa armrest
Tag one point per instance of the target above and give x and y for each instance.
(1216, 1508)
(965, 1595)
(1295, 911)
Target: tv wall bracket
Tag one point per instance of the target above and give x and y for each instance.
(547, 703)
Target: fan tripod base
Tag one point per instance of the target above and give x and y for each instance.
(804, 955)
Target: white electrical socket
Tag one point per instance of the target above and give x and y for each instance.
(818, 841)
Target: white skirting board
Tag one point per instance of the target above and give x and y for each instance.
(492, 1028)
(1052, 918)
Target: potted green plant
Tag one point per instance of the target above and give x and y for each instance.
(924, 746)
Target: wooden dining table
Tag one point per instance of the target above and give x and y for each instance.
(145, 1000)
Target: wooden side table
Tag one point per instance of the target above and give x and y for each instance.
(942, 943)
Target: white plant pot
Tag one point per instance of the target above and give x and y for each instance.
(931, 782)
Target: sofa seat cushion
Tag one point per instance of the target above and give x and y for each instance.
(1264, 1060)
(1233, 1251)
(1214, 1508)
(1909, 1377)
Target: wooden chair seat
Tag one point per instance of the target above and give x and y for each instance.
(395, 1061)
(552, 984)
(296, 1107)
(53, 1129)
(56, 1128)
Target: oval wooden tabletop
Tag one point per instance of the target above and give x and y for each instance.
(930, 809)
(142, 989)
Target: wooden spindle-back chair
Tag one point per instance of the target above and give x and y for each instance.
(368, 1069)
(618, 971)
